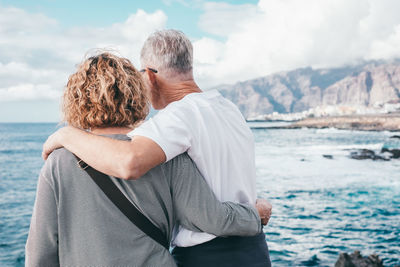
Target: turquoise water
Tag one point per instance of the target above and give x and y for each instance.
(321, 206)
(20, 163)
(326, 206)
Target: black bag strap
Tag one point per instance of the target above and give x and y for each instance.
(124, 205)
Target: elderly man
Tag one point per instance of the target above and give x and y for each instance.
(209, 127)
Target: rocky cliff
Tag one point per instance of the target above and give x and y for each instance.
(367, 84)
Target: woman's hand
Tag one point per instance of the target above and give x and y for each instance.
(264, 210)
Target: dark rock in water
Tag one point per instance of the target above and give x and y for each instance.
(357, 260)
(392, 147)
(313, 261)
(328, 156)
(362, 154)
(366, 154)
(395, 152)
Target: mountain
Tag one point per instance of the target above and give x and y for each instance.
(367, 85)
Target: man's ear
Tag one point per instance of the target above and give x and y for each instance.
(152, 78)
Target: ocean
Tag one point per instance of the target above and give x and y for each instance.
(321, 205)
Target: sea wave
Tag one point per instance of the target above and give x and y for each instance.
(321, 206)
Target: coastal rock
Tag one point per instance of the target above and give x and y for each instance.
(378, 122)
(361, 154)
(357, 260)
(392, 147)
(395, 153)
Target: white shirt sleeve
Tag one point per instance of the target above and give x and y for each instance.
(169, 130)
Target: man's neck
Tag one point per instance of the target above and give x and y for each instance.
(176, 91)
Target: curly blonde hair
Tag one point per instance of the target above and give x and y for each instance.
(106, 91)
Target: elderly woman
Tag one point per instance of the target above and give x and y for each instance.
(75, 224)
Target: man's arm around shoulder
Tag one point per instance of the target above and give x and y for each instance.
(122, 159)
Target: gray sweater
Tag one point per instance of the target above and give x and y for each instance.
(75, 224)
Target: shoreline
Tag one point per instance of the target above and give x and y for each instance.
(370, 122)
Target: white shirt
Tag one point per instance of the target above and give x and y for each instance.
(214, 133)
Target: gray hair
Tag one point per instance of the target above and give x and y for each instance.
(169, 50)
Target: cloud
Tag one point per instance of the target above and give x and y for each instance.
(14, 21)
(170, 2)
(277, 35)
(240, 41)
(37, 55)
(388, 47)
(28, 91)
(224, 19)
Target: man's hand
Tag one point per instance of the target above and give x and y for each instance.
(264, 210)
(52, 143)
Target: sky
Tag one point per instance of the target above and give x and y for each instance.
(42, 41)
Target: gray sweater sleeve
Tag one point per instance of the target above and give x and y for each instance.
(198, 209)
(42, 244)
